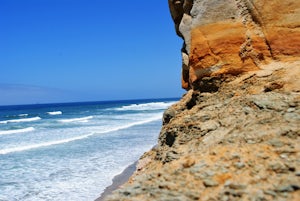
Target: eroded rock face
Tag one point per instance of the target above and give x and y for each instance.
(235, 134)
(234, 36)
(240, 143)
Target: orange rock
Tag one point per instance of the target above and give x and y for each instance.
(236, 36)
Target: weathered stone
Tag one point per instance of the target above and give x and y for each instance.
(276, 143)
(239, 165)
(236, 186)
(205, 117)
(287, 188)
(235, 36)
(270, 192)
(197, 168)
(272, 101)
(278, 167)
(170, 156)
(292, 117)
(210, 183)
(291, 110)
(168, 115)
(258, 196)
(235, 193)
(232, 136)
(188, 163)
(210, 125)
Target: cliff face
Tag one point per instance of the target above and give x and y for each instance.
(234, 36)
(235, 134)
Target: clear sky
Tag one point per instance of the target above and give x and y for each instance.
(87, 50)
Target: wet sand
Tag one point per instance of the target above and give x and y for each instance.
(118, 181)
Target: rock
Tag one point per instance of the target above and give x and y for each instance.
(291, 110)
(292, 117)
(270, 192)
(287, 188)
(209, 173)
(239, 165)
(235, 134)
(188, 163)
(235, 156)
(197, 168)
(278, 167)
(205, 117)
(168, 115)
(273, 101)
(236, 186)
(170, 156)
(234, 193)
(273, 86)
(276, 143)
(235, 36)
(210, 183)
(259, 196)
(185, 29)
(208, 126)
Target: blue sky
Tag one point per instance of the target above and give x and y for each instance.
(87, 50)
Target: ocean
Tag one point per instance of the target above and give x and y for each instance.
(72, 151)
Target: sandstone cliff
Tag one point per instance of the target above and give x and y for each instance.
(234, 36)
(235, 135)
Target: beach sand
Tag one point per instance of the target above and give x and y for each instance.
(118, 181)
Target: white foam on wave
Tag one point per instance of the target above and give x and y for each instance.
(81, 120)
(20, 120)
(23, 115)
(146, 106)
(55, 113)
(136, 123)
(16, 131)
(46, 144)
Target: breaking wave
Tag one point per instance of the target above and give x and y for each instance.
(81, 120)
(57, 142)
(45, 144)
(55, 113)
(20, 120)
(16, 131)
(23, 115)
(146, 106)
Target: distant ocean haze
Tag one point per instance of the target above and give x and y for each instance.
(72, 151)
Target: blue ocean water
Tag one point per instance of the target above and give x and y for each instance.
(72, 151)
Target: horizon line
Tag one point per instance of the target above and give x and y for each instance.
(88, 101)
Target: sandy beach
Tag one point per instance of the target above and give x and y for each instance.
(118, 181)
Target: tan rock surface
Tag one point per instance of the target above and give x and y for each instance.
(241, 142)
(235, 36)
(235, 135)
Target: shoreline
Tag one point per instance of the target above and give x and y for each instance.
(118, 181)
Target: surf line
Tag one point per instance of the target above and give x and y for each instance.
(21, 120)
(16, 131)
(47, 144)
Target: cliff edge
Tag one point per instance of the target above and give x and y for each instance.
(235, 134)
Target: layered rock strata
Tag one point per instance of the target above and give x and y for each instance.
(234, 36)
(235, 134)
